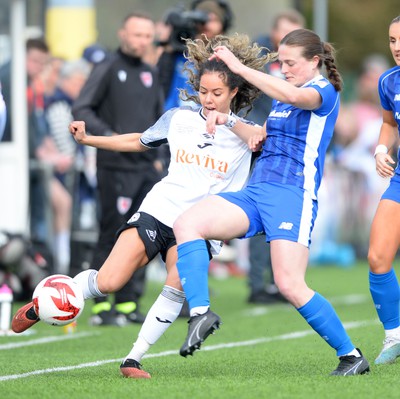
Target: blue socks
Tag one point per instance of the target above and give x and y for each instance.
(385, 293)
(321, 316)
(193, 262)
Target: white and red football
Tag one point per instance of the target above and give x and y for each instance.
(58, 300)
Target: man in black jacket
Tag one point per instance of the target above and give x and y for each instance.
(122, 95)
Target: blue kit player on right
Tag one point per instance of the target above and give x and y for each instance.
(385, 230)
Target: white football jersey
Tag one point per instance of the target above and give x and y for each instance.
(201, 163)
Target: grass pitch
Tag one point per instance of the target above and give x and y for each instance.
(259, 352)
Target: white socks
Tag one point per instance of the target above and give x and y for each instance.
(393, 333)
(354, 352)
(87, 280)
(199, 310)
(162, 314)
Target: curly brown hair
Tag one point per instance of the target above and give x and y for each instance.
(198, 53)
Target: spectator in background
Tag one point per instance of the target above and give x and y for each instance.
(219, 17)
(46, 191)
(71, 78)
(210, 18)
(95, 54)
(282, 24)
(50, 77)
(58, 165)
(362, 110)
(161, 39)
(260, 269)
(37, 57)
(122, 94)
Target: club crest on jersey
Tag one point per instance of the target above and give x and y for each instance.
(123, 204)
(122, 75)
(147, 79)
(208, 136)
(134, 217)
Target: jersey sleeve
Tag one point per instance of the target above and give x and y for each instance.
(157, 134)
(247, 122)
(329, 96)
(382, 93)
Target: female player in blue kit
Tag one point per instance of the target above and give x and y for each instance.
(385, 230)
(280, 199)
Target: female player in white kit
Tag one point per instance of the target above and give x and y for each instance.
(201, 164)
(280, 199)
(385, 229)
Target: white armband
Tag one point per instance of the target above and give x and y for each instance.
(380, 149)
(231, 122)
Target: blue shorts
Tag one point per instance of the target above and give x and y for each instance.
(281, 212)
(393, 191)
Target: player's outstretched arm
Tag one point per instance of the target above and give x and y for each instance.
(129, 142)
(252, 135)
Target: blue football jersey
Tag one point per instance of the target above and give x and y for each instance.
(389, 93)
(297, 140)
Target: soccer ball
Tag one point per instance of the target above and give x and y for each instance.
(58, 300)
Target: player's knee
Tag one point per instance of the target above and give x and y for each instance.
(291, 289)
(378, 262)
(186, 230)
(108, 284)
(179, 229)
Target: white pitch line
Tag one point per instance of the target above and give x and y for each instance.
(293, 335)
(261, 310)
(46, 340)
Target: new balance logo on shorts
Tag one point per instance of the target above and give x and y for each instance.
(286, 226)
(152, 234)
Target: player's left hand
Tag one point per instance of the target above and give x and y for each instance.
(255, 142)
(384, 165)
